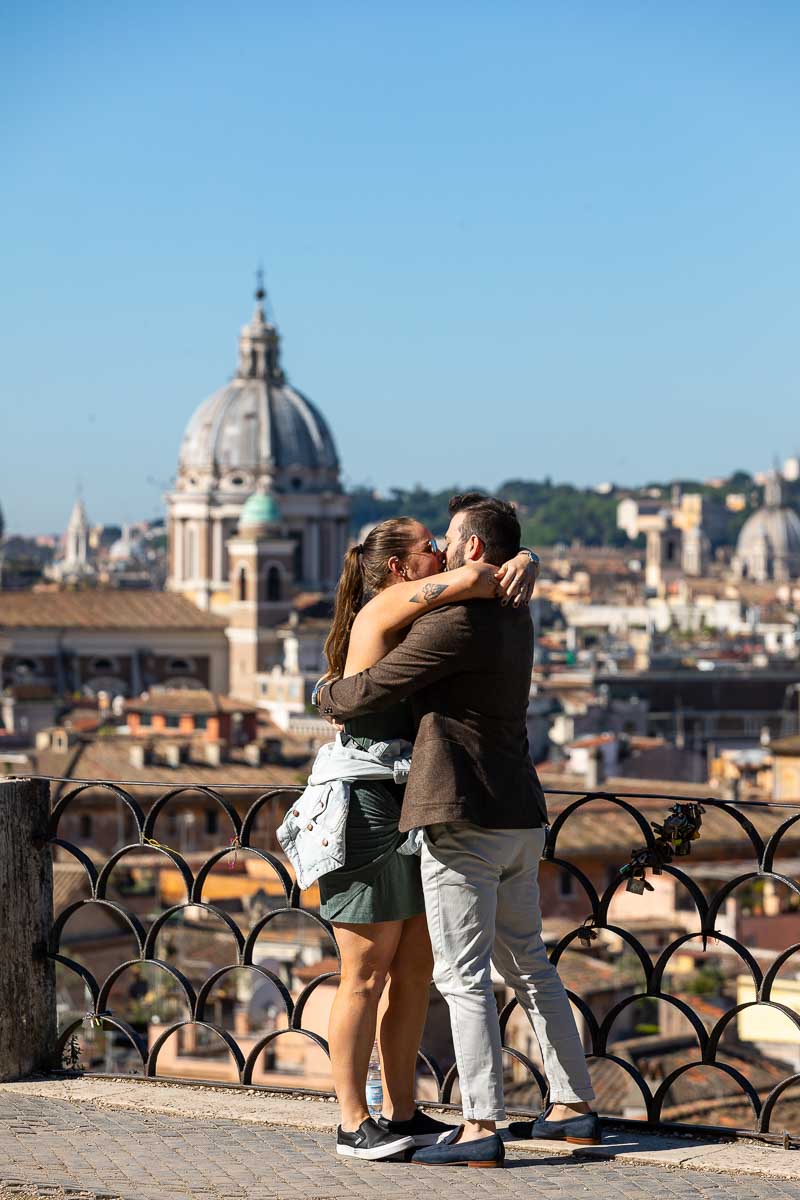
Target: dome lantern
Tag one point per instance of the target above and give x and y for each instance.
(259, 344)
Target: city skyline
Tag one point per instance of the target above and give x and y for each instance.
(584, 219)
(98, 519)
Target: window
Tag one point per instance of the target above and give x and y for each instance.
(200, 721)
(145, 718)
(241, 584)
(237, 481)
(85, 825)
(297, 483)
(297, 537)
(25, 667)
(172, 720)
(273, 584)
(103, 664)
(566, 885)
(212, 821)
(181, 666)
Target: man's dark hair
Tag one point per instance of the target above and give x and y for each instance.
(493, 521)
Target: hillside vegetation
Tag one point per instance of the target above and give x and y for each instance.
(552, 513)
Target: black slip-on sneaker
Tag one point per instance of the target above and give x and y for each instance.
(425, 1130)
(371, 1142)
(483, 1152)
(581, 1130)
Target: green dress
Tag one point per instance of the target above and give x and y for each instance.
(376, 883)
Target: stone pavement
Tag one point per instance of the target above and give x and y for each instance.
(121, 1151)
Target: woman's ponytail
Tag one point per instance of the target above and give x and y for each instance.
(365, 572)
(349, 598)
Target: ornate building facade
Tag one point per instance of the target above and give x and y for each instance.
(257, 434)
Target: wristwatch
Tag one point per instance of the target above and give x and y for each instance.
(533, 557)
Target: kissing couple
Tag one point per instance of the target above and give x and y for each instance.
(441, 659)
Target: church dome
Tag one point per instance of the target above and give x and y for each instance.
(769, 542)
(258, 423)
(777, 528)
(257, 458)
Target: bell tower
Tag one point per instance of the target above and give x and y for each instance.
(261, 556)
(76, 553)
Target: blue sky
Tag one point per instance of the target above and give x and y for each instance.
(501, 239)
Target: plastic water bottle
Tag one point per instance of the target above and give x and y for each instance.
(374, 1084)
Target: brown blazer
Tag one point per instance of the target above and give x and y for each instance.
(467, 669)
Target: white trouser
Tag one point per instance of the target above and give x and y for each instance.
(482, 902)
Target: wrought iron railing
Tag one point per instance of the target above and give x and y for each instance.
(656, 846)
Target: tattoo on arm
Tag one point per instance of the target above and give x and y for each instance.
(429, 592)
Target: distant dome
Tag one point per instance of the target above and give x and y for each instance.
(259, 509)
(769, 543)
(124, 548)
(778, 527)
(258, 422)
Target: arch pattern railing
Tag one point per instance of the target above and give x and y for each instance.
(654, 853)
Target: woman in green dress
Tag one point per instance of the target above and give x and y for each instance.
(375, 899)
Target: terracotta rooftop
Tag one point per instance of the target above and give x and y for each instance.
(581, 972)
(194, 701)
(108, 758)
(103, 610)
(309, 971)
(597, 739)
(602, 829)
(70, 883)
(787, 745)
(693, 1094)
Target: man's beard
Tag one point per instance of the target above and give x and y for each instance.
(456, 557)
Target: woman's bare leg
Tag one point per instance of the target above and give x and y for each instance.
(367, 951)
(403, 1009)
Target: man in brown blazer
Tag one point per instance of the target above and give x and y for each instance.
(473, 789)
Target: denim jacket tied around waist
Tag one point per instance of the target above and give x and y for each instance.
(312, 835)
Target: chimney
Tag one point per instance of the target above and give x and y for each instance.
(140, 754)
(212, 753)
(252, 754)
(172, 755)
(595, 772)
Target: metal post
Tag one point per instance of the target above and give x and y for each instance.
(27, 975)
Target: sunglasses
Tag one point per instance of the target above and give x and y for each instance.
(429, 547)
